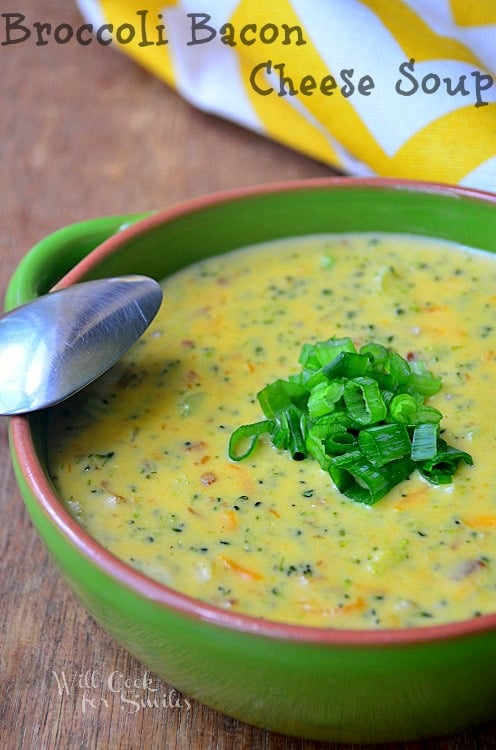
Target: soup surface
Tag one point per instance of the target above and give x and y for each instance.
(140, 458)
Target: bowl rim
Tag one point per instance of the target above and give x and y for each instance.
(160, 594)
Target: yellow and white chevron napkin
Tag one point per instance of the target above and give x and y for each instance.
(400, 88)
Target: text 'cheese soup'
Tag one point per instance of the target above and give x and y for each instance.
(140, 457)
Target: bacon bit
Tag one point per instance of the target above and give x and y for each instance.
(274, 512)
(411, 356)
(188, 344)
(208, 478)
(113, 496)
(196, 445)
(192, 378)
(250, 575)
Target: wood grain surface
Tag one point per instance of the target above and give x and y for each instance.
(84, 132)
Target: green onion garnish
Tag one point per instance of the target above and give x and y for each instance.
(355, 477)
(425, 441)
(361, 415)
(440, 468)
(248, 435)
(363, 400)
(384, 443)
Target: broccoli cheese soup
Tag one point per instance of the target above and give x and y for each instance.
(141, 459)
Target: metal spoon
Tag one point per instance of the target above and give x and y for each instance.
(52, 347)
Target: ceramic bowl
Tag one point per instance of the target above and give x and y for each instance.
(336, 685)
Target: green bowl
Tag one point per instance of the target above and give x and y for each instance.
(335, 685)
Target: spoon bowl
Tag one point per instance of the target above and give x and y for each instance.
(54, 346)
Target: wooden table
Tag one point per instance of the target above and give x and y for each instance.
(84, 132)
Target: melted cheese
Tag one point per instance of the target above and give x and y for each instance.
(140, 458)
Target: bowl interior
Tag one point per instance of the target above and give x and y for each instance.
(166, 241)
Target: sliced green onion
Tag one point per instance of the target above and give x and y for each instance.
(274, 397)
(425, 384)
(280, 433)
(324, 397)
(297, 427)
(376, 353)
(384, 443)
(339, 441)
(346, 365)
(441, 467)
(358, 479)
(387, 397)
(429, 414)
(424, 441)
(288, 432)
(250, 432)
(385, 380)
(279, 395)
(316, 448)
(407, 409)
(332, 347)
(364, 401)
(403, 408)
(360, 415)
(398, 367)
(308, 357)
(340, 417)
(315, 356)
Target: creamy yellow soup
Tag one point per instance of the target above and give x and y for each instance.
(140, 458)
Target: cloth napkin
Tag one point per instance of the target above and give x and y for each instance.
(398, 88)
